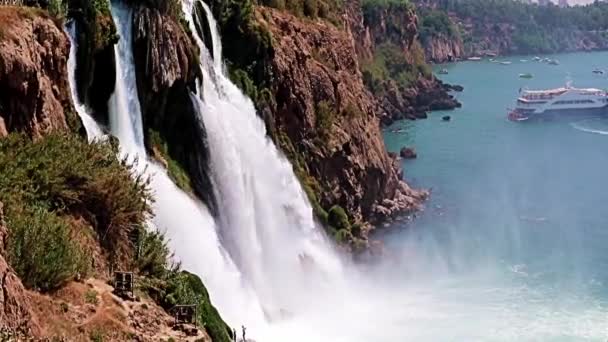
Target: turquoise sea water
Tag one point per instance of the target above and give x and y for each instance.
(514, 240)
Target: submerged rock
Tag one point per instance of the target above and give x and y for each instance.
(408, 153)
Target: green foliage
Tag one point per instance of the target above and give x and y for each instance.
(435, 23)
(242, 80)
(371, 7)
(325, 9)
(97, 335)
(536, 28)
(90, 297)
(183, 288)
(58, 9)
(153, 254)
(325, 119)
(41, 250)
(175, 170)
(45, 182)
(337, 218)
(343, 236)
(390, 63)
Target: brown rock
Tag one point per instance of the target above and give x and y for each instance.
(166, 64)
(34, 89)
(313, 63)
(408, 153)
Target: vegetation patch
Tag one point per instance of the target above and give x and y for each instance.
(175, 170)
(324, 9)
(390, 63)
(46, 184)
(169, 286)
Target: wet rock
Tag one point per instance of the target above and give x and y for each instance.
(408, 153)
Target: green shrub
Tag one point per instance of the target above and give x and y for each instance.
(184, 288)
(58, 9)
(90, 297)
(337, 218)
(97, 335)
(175, 170)
(311, 8)
(343, 236)
(41, 250)
(325, 119)
(153, 254)
(59, 176)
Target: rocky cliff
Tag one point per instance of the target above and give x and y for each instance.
(441, 49)
(326, 120)
(167, 66)
(34, 91)
(397, 72)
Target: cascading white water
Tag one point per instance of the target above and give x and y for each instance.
(125, 111)
(92, 128)
(186, 222)
(262, 205)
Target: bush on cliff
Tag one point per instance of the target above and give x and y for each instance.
(41, 250)
(63, 178)
(169, 286)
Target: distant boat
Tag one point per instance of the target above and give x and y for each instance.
(523, 60)
(546, 60)
(474, 58)
(505, 63)
(536, 58)
(553, 62)
(526, 75)
(443, 72)
(598, 71)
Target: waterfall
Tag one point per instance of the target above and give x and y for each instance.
(125, 111)
(265, 220)
(186, 222)
(92, 128)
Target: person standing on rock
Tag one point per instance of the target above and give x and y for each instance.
(244, 329)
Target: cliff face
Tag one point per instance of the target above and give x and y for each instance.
(95, 67)
(325, 116)
(441, 49)
(167, 66)
(406, 88)
(34, 89)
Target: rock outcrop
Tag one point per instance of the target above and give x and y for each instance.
(166, 63)
(397, 27)
(95, 67)
(441, 49)
(34, 89)
(326, 115)
(17, 319)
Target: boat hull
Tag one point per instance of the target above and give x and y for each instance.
(559, 113)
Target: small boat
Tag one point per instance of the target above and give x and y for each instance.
(443, 72)
(526, 75)
(474, 58)
(546, 60)
(505, 63)
(536, 58)
(491, 59)
(523, 60)
(598, 71)
(553, 62)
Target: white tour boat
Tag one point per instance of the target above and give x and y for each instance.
(565, 101)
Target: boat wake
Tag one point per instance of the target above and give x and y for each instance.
(594, 126)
